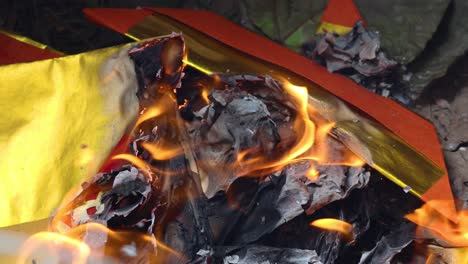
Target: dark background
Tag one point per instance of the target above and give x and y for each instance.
(62, 25)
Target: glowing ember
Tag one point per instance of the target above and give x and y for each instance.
(312, 174)
(332, 224)
(303, 123)
(204, 95)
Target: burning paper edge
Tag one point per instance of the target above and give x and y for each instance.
(333, 224)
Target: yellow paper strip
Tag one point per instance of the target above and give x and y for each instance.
(329, 27)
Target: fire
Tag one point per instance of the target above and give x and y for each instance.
(94, 243)
(160, 106)
(303, 125)
(53, 247)
(159, 152)
(455, 234)
(312, 174)
(134, 160)
(151, 112)
(311, 144)
(301, 96)
(332, 224)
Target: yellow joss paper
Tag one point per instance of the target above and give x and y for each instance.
(59, 119)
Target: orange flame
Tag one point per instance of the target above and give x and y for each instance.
(162, 153)
(301, 96)
(204, 95)
(302, 125)
(311, 144)
(151, 112)
(332, 224)
(71, 247)
(312, 174)
(52, 247)
(139, 163)
(455, 234)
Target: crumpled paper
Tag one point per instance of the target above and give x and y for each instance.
(358, 50)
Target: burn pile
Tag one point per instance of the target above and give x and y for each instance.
(225, 168)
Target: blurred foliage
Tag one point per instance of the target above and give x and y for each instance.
(279, 19)
(448, 44)
(405, 26)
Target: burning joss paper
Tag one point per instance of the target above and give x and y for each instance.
(211, 168)
(198, 137)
